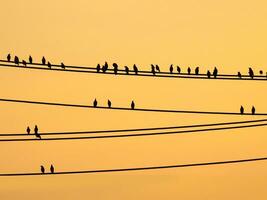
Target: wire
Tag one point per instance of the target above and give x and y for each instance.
(140, 168)
(134, 130)
(121, 108)
(133, 135)
(131, 72)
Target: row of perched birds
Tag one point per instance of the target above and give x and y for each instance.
(109, 104)
(52, 169)
(154, 68)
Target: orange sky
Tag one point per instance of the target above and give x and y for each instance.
(228, 34)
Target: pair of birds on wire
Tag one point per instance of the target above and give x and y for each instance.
(253, 110)
(52, 169)
(35, 131)
(109, 104)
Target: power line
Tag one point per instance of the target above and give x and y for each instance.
(137, 129)
(133, 135)
(140, 73)
(140, 168)
(128, 109)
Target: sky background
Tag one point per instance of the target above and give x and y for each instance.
(230, 35)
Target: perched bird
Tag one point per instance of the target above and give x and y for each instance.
(16, 60)
(215, 72)
(135, 69)
(43, 60)
(188, 70)
(36, 129)
(8, 57)
(126, 69)
(28, 130)
(105, 67)
(157, 68)
(52, 169)
(42, 169)
(261, 72)
(132, 105)
(109, 103)
(153, 69)
(63, 66)
(197, 70)
(171, 69)
(208, 73)
(251, 73)
(253, 110)
(241, 110)
(24, 63)
(49, 65)
(95, 103)
(115, 65)
(30, 59)
(98, 67)
(239, 75)
(178, 69)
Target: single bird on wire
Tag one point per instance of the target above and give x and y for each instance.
(126, 69)
(49, 65)
(242, 110)
(178, 69)
(153, 69)
(52, 169)
(24, 63)
(215, 72)
(95, 103)
(98, 67)
(251, 73)
(115, 66)
(132, 105)
(197, 70)
(239, 75)
(208, 73)
(253, 110)
(36, 132)
(16, 60)
(135, 69)
(42, 169)
(171, 69)
(30, 59)
(63, 66)
(28, 130)
(157, 68)
(189, 70)
(109, 103)
(43, 60)
(8, 57)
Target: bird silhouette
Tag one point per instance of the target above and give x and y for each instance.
(171, 69)
(178, 69)
(8, 57)
(109, 103)
(261, 72)
(36, 129)
(188, 70)
(208, 73)
(98, 67)
(95, 103)
(197, 70)
(16, 60)
(28, 130)
(63, 66)
(30, 59)
(253, 110)
(43, 60)
(52, 169)
(215, 72)
(42, 169)
(24, 63)
(126, 69)
(49, 65)
(242, 110)
(251, 73)
(132, 105)
(153, 69)
(239, 75)
(157, 68)
(105, 67)
(115, 65)
(135, 69)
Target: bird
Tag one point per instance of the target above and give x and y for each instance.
(157, 68)
(95, 103)
(239, 75)
(98, 67)
(43, 60)
(36, 129)
(105, 67)
(178, 69)
(52, 169)
(109, 103)
(171, 69)
(215, 72)
(49, 65)
(197, 70)
(135, 69)
(24, 63)
(188, 70)
(253, 110)
(28, 130)
(16, 60)
(63, 66)
(251, 73)
(30, 59)
(261, 72)
(115, 65)
(132, 105)
(242, 110)
(8, 57)
(208, 73)
(153, 69)
(42, 169)
(126, 69)
(38, 135)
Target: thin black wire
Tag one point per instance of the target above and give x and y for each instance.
(137, 129)
(121, 108)
(133, 135)
(140, 168)
(140, 73)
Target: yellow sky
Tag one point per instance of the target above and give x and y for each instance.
(228, 34)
